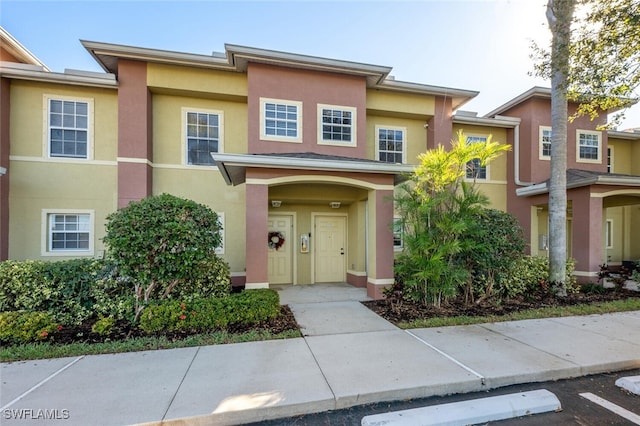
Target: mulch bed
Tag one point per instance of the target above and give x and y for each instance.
(393, 311)
(406, 311)
(124, 329)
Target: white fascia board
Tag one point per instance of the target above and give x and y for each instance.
(427, 89)
(616, 180)
(306, 61)
(542, 188)
(506, 122)
(15, 47)
(623, 135)
(107, 81)
(544, 92)
(527, 191)
(97, 49)
(268, 161)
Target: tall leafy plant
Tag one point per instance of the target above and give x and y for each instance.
(437, 208)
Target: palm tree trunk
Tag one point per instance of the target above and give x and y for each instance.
(559, 16)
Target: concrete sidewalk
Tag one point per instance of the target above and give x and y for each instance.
(361, 359)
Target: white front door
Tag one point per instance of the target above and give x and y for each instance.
(280, 263)
(330, 249)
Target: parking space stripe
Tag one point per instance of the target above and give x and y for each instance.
(45, 380)
(632, 417)
(449, 357)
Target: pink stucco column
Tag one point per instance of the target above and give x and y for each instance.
(587, 234)
(135, 141)
(382, 274)
(256, 240)
(440, 126)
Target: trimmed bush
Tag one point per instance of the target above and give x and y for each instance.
(530, 274)
(71, 290)
(214, 280)
(204, 314)
(160, 243)
(104, 326)
(25, 327)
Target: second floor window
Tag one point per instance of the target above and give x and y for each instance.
(390, 144)
(336, 125)
(68, 128)
(474, 169)
(280, 120)
(588, 146)
(545, 142)
(203, 137)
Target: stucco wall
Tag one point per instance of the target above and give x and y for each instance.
(415, 135)
(38, 182)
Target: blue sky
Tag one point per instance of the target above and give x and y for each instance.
(478, 45)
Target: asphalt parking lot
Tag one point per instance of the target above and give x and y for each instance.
(576, 409)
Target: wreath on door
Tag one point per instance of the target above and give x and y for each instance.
(275, 240)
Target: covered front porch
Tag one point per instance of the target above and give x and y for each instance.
(314, 219)
(603, 220)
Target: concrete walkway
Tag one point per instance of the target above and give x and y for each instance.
(348, 356)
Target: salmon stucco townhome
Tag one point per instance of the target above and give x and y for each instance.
(280, 144)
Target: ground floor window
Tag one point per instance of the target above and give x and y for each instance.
(68, 233)
(398, 234)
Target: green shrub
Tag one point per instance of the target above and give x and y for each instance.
(160, 243)
(252, 306)
(104, 326)
(25, 285)
(24, 327)
(530, 274)
(214, 280)
(494, 244)
(203, 314)
(71, 290)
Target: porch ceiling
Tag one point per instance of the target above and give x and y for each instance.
(316, 193)
(233, 166)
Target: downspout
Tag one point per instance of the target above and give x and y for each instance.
(516, 157)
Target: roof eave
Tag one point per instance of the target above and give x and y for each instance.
(536, 91)
(16, 48)
(106, 81)
(102, 51)
(459, 96)
(543, 188)
(505, 122)
(228, 162)
(240, 56)
(623, 135)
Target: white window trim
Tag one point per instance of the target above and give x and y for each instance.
(46, 134)
(220, 250)
(541, 130)
(588, 132)
(45, 236)
(608, 233)
(401, 246)
(185, 155)
(404, 140)
(487, 166)
(354, 125)
(265, 137)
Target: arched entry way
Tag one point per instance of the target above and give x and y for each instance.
(343, 206)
